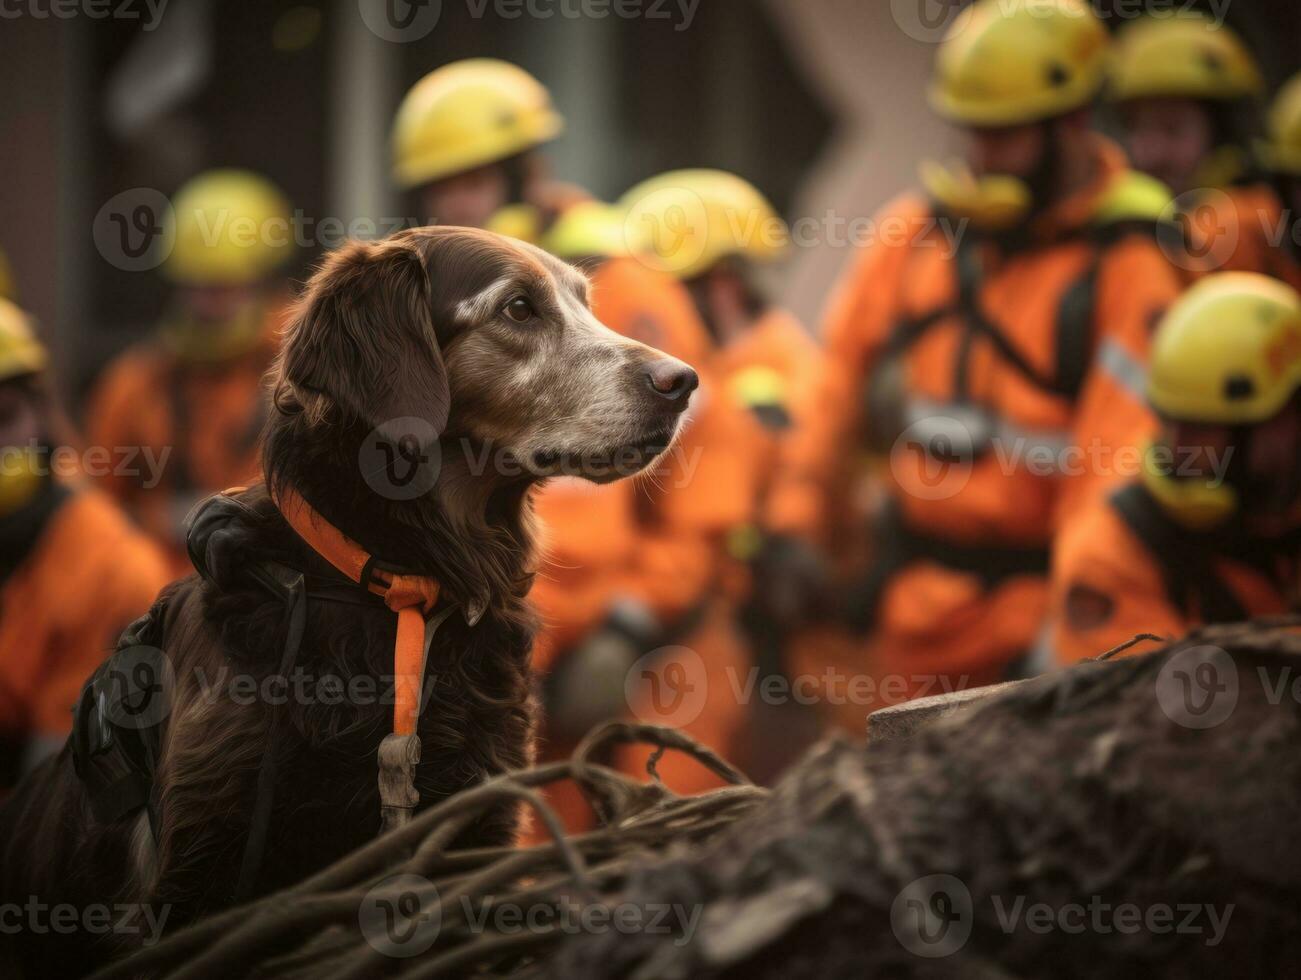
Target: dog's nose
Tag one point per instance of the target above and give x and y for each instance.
(672, 380)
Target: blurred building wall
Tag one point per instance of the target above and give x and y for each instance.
(42, 72)
(873, 78)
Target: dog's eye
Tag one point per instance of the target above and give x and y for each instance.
(520, 310)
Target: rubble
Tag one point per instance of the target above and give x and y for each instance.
(1127, 817)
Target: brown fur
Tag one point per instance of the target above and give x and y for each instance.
(404, 337)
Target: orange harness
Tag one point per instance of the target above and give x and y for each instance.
(412, 597)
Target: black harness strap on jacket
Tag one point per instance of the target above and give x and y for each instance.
(1186, 565)
(1073, 330)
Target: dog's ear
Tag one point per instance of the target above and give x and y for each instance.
(364, 339)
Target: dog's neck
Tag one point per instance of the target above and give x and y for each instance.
(472, 531)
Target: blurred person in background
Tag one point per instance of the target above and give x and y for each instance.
(1257, 227)
(1211, 531)
(73, 571)
(994, 377)
(1186, 90)
(717, 234)
(192, 394)
(465, 145)
(637, 572)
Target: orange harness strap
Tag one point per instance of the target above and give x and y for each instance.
(412, 597)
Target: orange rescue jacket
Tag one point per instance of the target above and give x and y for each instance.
(1123, 567)
(200, 423)
(1244, 229)
(86, 575)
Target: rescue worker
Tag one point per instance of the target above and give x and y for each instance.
(1255, 227)
(1185, 87)
(191, 397)
(1211, 531)
(465, 144)
(717, 233)
(634, 568)
(1187, 90)
(73, 571)
(988, 347)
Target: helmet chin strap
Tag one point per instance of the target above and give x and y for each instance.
(1043, 179)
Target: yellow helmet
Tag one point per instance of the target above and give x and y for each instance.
(20, 352)
(1004, 62)
(468, 114)
(1228, 351)
(227, 227)
(688, 220)
(1281, 150)
(1185, 55)
(590, 229)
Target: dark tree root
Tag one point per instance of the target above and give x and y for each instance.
(312, 930)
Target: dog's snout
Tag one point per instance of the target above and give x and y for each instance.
(672, 380)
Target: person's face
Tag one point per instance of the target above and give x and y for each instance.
(468, 199)
(1014, 151)
(1168, 139)
(1272, 462)
(1202, 449)
(20, 415)
(725, 303)
(216, 304)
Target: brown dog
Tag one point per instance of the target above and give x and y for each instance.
(427, 382)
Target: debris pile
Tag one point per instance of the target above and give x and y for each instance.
(1124, 818)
